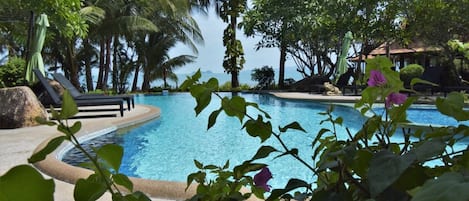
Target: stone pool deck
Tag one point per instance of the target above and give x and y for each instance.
(17, 145)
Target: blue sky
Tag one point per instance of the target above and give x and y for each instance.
(210, 57)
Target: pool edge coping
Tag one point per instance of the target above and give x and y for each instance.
(59, 170)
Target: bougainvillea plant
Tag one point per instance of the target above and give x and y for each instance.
(389, 158)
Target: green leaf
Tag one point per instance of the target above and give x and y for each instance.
(212, 119)
(44, 121)
(361, 162)
(203, 96)
(293, 151)
(236, 106)
(428, 149)
(291, 185)
(212, 84)
(137, 196)
(295, 125)
(49, 148)
(23, 182)
(449, 186)
(112, 155)
(227, 164)
(264, 152)
(89, 189)
(453, 106)
(255, 105)
(123, 180)
(198, 164)
(69, 107)
(339, 120)
(319, 136)
(190, 81)
(240, 170)
(210, 167)
(413, 177)
(259, 128)
(398, 114)
(385, 169)
(75, 128)
(421, 81)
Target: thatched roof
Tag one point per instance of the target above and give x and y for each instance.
(396, 48)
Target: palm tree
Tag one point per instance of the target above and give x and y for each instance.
(166, 68)
(122, 18)
(156, 61)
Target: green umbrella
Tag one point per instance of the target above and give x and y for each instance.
(342, 60)
(35, 60)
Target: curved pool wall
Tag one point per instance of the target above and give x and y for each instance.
(61, 171)
(165, 189)
(155, 140)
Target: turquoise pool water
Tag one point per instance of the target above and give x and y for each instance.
(164, 149)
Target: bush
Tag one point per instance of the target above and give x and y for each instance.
(227, 87)
(411, 71)
(264, 76)
(12, 73)
(385, 160)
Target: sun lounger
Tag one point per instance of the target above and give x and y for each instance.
(79, 96)
(56, 101)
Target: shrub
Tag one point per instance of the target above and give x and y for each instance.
(264, 76)
(411, 71)
(370, 164)
(227, 87)
(12, 73)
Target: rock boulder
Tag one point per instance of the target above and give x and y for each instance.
(19, 107)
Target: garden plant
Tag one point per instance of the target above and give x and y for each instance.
(387, 159)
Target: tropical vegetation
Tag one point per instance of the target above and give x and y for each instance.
(116, 37)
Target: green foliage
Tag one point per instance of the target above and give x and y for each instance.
(226, 186)
(370, 164)
(264, 76)
(23, 182)
(227, 87)
(12, 73)
(233, 60)
(411, 71)
(106, 163)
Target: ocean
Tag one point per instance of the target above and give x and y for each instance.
(244, 77)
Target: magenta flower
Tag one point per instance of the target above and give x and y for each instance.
(261, 179)
(395, 98)
(376, 78)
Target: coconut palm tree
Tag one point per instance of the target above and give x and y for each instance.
(155, 60)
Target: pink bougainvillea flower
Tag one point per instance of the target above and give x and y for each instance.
(376, 78)
(261, 179)
(395, 98)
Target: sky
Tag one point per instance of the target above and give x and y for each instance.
(211, 53)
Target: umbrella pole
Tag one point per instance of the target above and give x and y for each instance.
(28, 44)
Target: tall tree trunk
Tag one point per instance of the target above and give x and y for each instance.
(234, 59)
(107, 64)
(134, 83)
(102, 44)
(73, 68)
(89, 77)
(115, 70)
(146, 80)
(283, 58)
(165, 83)
(234, 79)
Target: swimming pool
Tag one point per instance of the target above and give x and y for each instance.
(164, 149)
